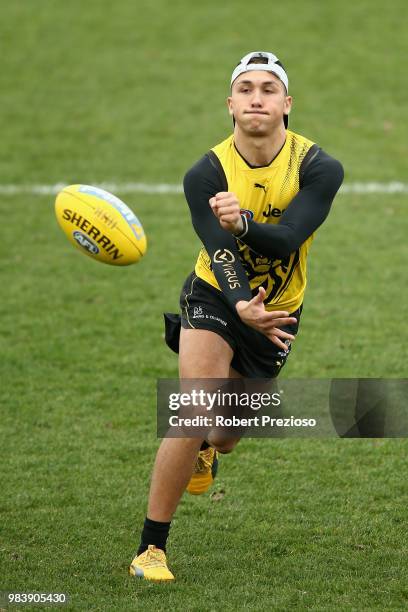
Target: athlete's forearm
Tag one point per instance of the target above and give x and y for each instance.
(277, 241)
(306, 212)
(222, 250)
(200, 184)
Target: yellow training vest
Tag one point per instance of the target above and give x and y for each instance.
(264, 193)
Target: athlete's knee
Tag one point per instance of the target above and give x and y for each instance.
(225, 448)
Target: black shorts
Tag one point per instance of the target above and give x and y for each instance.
(204, 307)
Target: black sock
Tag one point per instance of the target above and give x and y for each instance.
(154, 532)
(204, 445)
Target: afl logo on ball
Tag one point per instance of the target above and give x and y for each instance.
(85, 243)
(223, 256)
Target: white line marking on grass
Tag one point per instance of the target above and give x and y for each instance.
(146, 188)
(167, 188)
(364, 188)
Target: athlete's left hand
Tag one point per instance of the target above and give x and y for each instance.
(226, 208)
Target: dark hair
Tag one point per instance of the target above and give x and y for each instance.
(263, 60)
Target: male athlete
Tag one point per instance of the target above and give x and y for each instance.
(256, 200)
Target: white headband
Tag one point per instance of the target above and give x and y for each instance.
(245, 66)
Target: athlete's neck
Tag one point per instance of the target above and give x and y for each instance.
(259, 150)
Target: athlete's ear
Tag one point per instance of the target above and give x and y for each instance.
(229, 104)
(287, 105)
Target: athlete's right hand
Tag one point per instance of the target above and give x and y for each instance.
(254, 314)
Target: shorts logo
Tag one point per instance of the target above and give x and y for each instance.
(287, 351)
(223, 256)
(198, 313)
(247, 213)
(85, 243)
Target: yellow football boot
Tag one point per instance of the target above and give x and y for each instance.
(205, 471)
(151, 565)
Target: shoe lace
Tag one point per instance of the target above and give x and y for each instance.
(204, 461)
(154, 558)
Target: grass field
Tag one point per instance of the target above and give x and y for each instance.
(93, 92)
